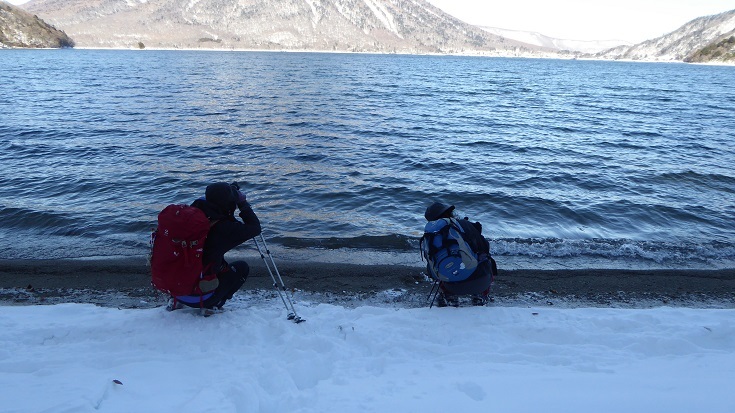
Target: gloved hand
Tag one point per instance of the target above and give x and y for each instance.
(240, 198)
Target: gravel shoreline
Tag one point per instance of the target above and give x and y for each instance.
(125, 282)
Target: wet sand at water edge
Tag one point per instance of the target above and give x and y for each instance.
(126, 282)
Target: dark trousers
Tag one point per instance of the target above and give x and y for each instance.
(477, 284)
(230, 280)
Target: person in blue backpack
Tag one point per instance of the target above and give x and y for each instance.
(225, 233)
(458, 256)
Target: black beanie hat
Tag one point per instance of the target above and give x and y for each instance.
(220, 194)
(438, 210)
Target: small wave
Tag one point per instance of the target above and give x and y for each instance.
(542, 248)
(393, 242)
(624, 144)
(47, 223)
(711, 180)
(639, 134)
(309, 157)
(658, 252)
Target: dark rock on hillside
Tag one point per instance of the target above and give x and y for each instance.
(21, 29)
(718, 51)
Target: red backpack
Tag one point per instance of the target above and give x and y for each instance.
(177, 249)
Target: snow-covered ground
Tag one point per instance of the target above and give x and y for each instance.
(84, 358)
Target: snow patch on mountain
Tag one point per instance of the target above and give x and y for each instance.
(383, 15)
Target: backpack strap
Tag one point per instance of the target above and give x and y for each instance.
(426, 242)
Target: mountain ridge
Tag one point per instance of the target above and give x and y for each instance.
(679, 44)
(571, 45)
(372, 26)
(381, 26)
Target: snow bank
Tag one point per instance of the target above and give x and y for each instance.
(66, 358)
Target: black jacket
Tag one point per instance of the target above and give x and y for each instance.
(226, 232)
(474, 236)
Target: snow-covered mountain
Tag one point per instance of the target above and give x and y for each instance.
(380, 26)
(679, 44)
(384, 26)
(538, 39)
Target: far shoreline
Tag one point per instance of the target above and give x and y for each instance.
(560, 56)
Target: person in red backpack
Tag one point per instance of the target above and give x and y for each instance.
(222, 279)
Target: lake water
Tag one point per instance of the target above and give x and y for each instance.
(566, 163)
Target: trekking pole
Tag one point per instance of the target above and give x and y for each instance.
(431, 303)
(272, 277)
(281, 288)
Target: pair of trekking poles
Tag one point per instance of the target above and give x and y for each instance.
(277, 280)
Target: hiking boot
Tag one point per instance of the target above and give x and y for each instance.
(446, 300)
(479, 300)
(452, 300)
(206, 312)
(172, 304)
(441, 301)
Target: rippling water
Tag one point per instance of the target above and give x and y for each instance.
(558, 159)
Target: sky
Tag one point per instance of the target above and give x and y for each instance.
(630, 20)
(82, 358)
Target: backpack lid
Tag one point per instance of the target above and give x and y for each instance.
(436, 226)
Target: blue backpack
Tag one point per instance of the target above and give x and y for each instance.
(450, 257)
